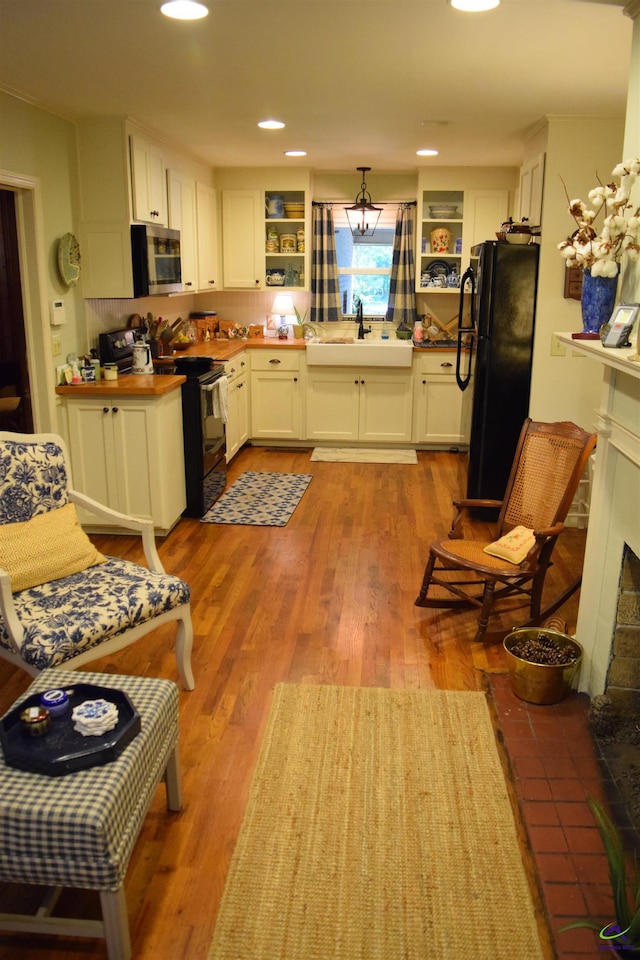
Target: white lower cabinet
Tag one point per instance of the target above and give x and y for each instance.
(127, 452)
(441, 409)
(359, 404)
(277, 394)
(237, 373)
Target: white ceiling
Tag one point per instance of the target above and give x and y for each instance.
(358, 82)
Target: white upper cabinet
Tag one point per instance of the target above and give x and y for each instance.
(149, 184)
(531, 189)
(207, 234)
(242, 239)
(182, 217)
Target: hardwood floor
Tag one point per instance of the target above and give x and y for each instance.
(326, 599)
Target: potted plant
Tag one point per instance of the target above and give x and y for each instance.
(623, 933)
(599, 254)
(298, 329)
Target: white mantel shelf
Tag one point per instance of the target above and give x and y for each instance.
(617, 357)
(614, 515)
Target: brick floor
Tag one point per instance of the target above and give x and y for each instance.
(557, 764)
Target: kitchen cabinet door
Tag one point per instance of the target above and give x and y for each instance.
(128, 453)
(359, 404)
(237, 428)
(149, 182)
(242, 239)
(276, 405)
(484, 211)
(531, 190)
(277, 394)
(441, 409)
(385, 406)
(207, 232)
(333, 404)
(182, 217)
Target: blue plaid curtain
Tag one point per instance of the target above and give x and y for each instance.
(402, 287)
(325, 291)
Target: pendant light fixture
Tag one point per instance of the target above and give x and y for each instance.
(363, 216)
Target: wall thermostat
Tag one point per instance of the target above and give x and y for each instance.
(57, 313)
(616, 332)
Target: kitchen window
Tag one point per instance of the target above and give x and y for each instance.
(364, 270)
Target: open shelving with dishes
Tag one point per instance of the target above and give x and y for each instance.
(440, 239)
(285, 239)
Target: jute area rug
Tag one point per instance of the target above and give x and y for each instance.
(378, 827)
(355, 455)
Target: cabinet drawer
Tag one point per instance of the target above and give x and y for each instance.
(436, 363)
(275, 360)
(236, 367)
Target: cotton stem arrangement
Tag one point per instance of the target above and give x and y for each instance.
(602, 252)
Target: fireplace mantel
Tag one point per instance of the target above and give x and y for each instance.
(618, 358)
(614, 515)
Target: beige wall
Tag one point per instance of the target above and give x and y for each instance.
(630, 283)
(577, 151)
(36, 144)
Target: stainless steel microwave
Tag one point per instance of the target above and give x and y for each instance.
(155, 253)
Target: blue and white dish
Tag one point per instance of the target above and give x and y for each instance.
(92, 718)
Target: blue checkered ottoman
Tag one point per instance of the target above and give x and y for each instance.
(79, 830)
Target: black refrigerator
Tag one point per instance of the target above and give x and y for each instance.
(497, 344)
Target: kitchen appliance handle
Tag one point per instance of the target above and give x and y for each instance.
(469, 275)
(463, 377)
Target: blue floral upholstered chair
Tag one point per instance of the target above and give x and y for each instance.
(61, 602)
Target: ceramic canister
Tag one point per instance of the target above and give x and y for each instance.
(440, 240)
(288, 242)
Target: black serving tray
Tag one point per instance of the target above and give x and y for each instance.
(62, 749)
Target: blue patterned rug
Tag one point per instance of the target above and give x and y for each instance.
(260, 499)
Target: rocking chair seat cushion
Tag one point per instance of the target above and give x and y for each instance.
(66, 617)
(472, 553)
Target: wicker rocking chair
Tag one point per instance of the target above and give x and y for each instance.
(549, 461)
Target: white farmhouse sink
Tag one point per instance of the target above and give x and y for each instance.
(360, 353)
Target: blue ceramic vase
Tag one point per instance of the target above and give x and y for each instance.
(597, 301)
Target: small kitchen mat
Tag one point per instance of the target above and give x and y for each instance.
(355, 455)
(260, 499)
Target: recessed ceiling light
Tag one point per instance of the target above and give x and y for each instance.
(184, 10)
(295, 153)
(271, 124)
(474, 6)
(427, 153)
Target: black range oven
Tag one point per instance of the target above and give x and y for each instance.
(204, 433)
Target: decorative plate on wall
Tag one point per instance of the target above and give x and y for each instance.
(69, 259)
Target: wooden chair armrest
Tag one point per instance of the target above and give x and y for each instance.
(9, 615)
(545, 532)
(465, 503)
(143, 527)
(542, 536)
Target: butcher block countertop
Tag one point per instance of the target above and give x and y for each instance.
(127, 385)
(147, 385)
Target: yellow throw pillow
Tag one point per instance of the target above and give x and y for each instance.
(48, 547)
(514, 546)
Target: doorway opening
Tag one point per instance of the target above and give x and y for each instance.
(15, 393)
